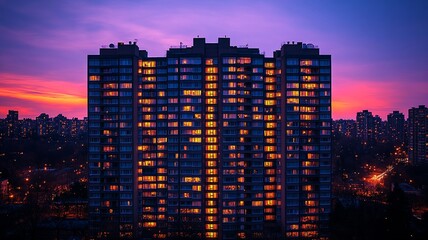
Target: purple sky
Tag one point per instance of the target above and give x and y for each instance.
(379, 48)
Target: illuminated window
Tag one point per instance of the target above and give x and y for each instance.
(149, 71)
(211, 85)
(211, 140)
(269, 65)
(211, 147)
(192, 92)
(211, 70)
(211, 77)
(209, 61)
(211, 163)
(211, 171)
(211, 235)
(211, 226)
(211, 155)
(187, 124)
(211, 210)
(270, 80)
(148, 64)
(211, 101)
(293, 93)
(94, 78)
(270, 72)
(270, 102)
(111, 94)
(211, 195)
(195, 139)
(310, 86)
(211, 124)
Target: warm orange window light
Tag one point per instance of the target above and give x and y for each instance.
(211, 210)
(270, 72)
(149, 79)
(211, 226)
(211, 195)
(111, 94)
(192, 92)
(211, 218)
(211, 101)
(269, 65)
(212, 179)
(257, 203)
(270, 102)
(211, 234)
(109, 148)
(195, 139)
(211, 147)
(211, 163)
(211, 70)
(310, 86)
(211, 77)
(211, 132)
(94, 78)
(197, 132)
(211, 85)
(187, 124)
(209, 61)
(211, 140)
(149, 71)
(211, 171)
(210, 155)
(148, 64)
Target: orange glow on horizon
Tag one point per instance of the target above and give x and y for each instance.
(36, 94)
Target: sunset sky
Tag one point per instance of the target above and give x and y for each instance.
(379, 48)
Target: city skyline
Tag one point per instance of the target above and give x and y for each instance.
(376, 47)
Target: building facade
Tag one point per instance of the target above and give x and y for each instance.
(365, 127)
(113, 117)
(395, 127)
(225, 142)
(418, 135)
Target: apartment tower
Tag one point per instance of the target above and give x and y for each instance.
(220, 142)
(418, 135)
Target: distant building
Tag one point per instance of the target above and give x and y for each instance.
(43, 125)
(61, 125)
(379, 129)
(365, 127)
(346, 128)
(12, 124)
(212, 141)
(418, 135)
(395, 127)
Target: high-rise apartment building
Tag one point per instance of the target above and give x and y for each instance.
(114, 116)
(418, 135)
(365, 126)
(212, 141)
(12, 124)
(395, 127)
(305, 140)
